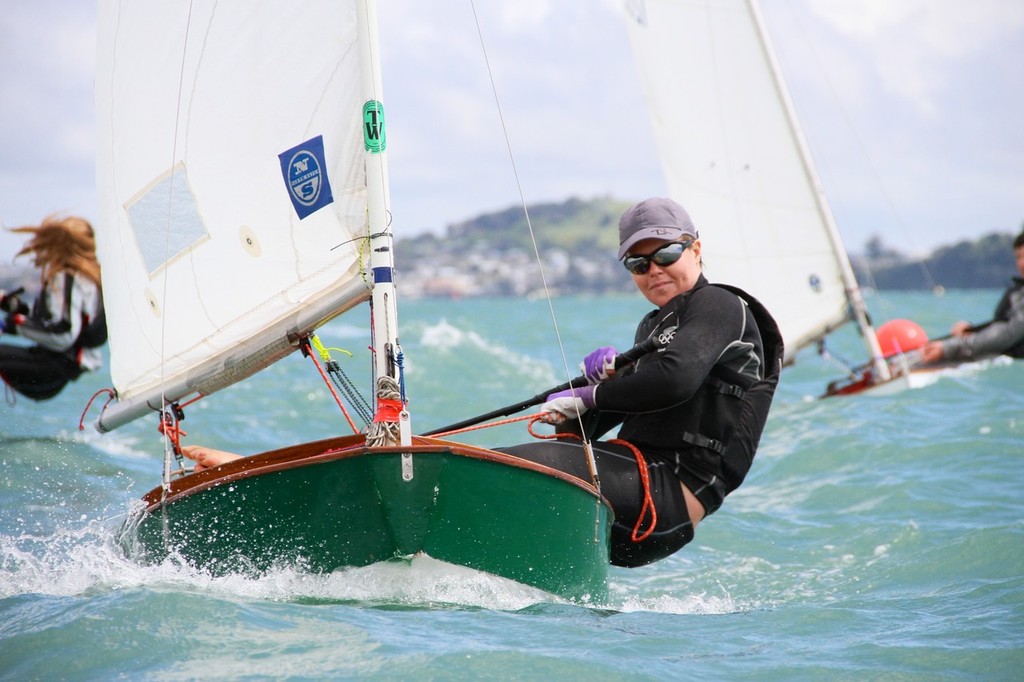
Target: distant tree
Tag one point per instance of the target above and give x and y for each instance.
(876, 250)
(985, 263)
(982, 264)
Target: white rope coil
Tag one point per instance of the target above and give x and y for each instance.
(381, 433)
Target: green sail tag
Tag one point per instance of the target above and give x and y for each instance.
(374, 135)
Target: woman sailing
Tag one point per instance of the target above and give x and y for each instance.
(65, 324)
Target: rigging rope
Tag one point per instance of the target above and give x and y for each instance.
(170, 427)
(334, 371)
(526, 214)
(111, 395)
(820, 64)
(342, 381)
(645, 481)
(502, 422)
(165, 405)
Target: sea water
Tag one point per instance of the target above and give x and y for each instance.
(874, 538)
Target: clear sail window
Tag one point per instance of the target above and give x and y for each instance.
(165, 220)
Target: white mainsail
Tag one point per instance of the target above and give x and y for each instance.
(733, 155)
(231, 170)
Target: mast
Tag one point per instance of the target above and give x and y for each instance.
(880, 368)
(384, 312)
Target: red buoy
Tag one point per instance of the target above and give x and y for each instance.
(900, 336)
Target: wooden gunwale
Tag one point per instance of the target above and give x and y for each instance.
(331, 449)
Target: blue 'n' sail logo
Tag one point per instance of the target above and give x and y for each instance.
(305, 174)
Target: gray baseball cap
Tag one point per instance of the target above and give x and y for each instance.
(656, 218)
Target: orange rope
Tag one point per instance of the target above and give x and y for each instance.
(645, 480)
(189, 402)
(110, 392)
(534, 417)
(169, 426)
(330, 387)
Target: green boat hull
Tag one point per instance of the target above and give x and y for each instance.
(336, 503)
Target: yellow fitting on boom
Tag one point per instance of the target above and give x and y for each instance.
(323, 351)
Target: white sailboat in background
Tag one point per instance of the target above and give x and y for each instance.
(733, 154)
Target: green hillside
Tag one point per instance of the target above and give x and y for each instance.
(587, 231)
(569, 225)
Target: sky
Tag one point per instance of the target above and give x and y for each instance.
(913, 109)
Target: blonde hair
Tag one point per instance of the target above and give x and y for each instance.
(62, 245)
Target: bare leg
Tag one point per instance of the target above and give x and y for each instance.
(207, 457)
(693, 506)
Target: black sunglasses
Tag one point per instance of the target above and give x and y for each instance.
(666, 255)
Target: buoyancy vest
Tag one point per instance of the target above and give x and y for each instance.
(731, 409)
(94, 329)
(721, 424)
(93, 332)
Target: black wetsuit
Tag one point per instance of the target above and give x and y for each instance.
(1004, 334)
(695, 409)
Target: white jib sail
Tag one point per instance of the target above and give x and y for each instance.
(232, 187)
(734, 156)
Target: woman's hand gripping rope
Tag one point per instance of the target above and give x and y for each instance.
(567, 404)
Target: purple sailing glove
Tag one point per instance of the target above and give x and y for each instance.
(568, 404)
(599, 364)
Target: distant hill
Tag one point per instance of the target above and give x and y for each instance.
(572, 224)
(986, 263)
(492, 255)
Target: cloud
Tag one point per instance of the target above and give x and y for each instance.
(915, 45)
(931, 89)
